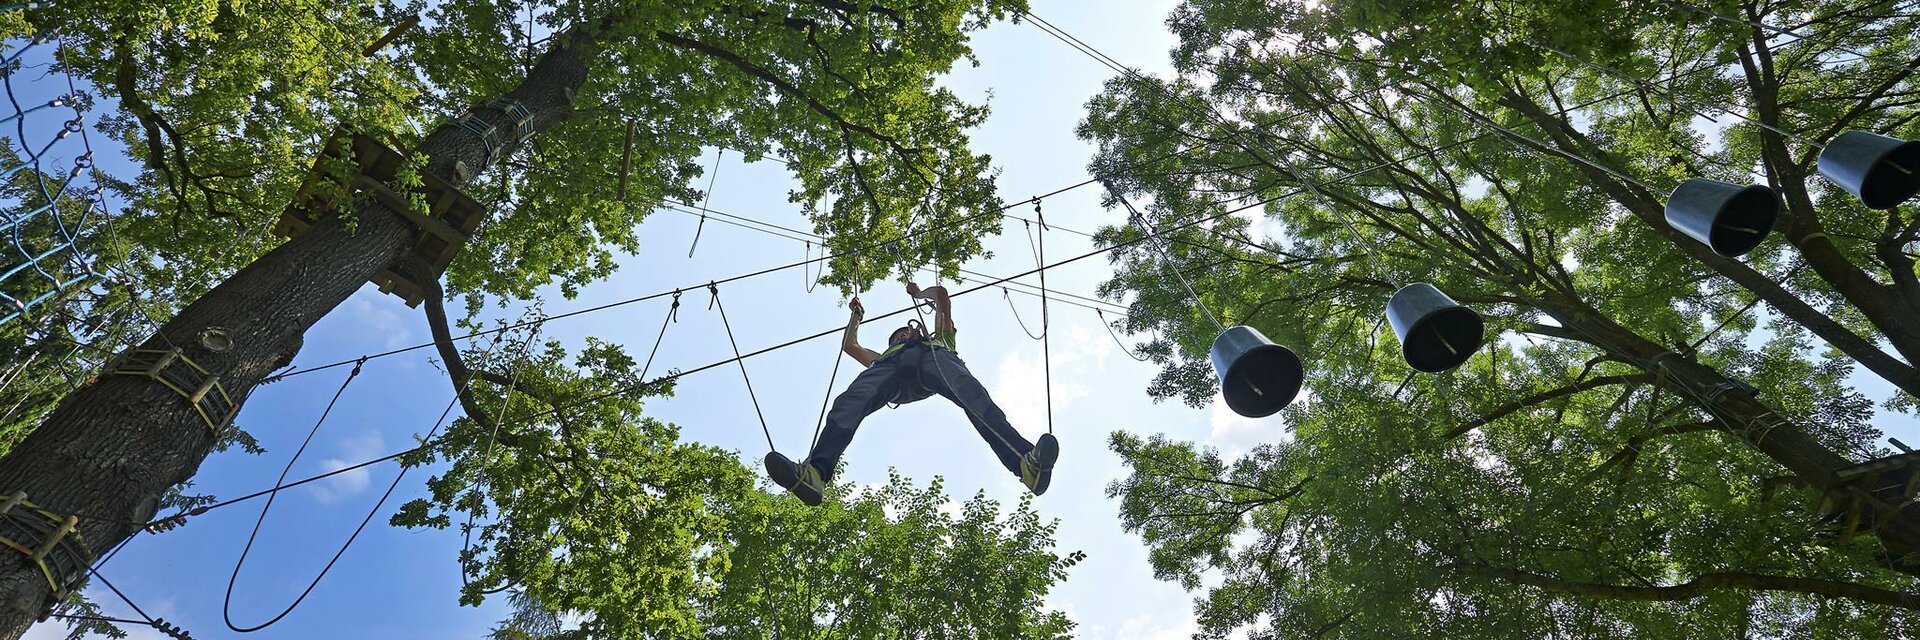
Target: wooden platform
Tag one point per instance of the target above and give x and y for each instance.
(447, 223)
(1858, 497)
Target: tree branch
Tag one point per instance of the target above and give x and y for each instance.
(1699, 586)
(1511, 407)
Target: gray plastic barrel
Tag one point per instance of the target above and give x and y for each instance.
(1436, 333)
(1730, 219)
(1257, 377)
(1879, 170)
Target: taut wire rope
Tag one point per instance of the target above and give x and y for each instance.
(704, 199)
(742, 361)
(493, 438)
(822, 422)
(1046, 322)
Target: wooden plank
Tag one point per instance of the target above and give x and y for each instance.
(426, 223)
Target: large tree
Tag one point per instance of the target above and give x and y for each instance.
(226, 103)
(1646, 447)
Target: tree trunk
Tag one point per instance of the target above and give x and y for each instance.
(1811, 463)
(113, 447)
(1901, 374)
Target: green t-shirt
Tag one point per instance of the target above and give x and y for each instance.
(942, 340)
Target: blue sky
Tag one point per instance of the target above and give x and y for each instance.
(396, 583)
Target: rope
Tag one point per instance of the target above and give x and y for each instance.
(822, 423)
(673, 315)
(1116, 337)
(806, 274)
(704, 199)
(1016, 316)
(1133, 215)
(428, 441)
(493, 439)
(226, 610)
(742, 361)
(260, 522)
(1046, 326)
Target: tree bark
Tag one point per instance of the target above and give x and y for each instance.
(1811, 463)
(1699, 586)
(113, 447)
(1654, 214)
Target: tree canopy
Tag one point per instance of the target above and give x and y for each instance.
(1600, 470)
(224, 106)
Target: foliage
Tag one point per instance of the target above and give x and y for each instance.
(1564, 483)
(844, 94)
(599, 514)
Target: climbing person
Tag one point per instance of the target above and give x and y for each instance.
(914, 367)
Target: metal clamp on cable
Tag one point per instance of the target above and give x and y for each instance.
(39, 533)
(183, 376)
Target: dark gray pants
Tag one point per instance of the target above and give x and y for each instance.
(911, 374)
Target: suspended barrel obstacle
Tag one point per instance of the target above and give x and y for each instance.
(1877, 169)
(449, 221)
(1436, 334)
(1730, 219)
(1733, 219)
(1257, 377)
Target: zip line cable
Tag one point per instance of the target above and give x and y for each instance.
(855, 252)
(721, 217)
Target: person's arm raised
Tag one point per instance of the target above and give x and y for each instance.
(850, 341)
(942, 306)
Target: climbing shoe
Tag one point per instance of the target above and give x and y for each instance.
(1036, 468)
(801, 479)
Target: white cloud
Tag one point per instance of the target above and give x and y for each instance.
(1020, 378)
(352, 451)
(1154, 628)
(1234, 434)
(377, 319)
(1020, 388)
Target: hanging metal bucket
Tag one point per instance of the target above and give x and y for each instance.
(1257, 377)
(1729, 218)
(1436, 333)
(1881, 171)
